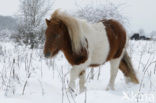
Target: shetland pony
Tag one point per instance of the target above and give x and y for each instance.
(86, 44)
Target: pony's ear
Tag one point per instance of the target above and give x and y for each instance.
(47, 22)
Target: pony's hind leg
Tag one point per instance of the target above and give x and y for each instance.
(82, 81)
(113, 73)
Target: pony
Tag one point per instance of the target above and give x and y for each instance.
(86, 44)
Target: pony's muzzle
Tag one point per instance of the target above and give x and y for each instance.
(47, 55)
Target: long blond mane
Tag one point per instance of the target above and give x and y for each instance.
(74, 29)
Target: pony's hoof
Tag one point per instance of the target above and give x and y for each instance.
(70, 90)
(127, 80)
(110, 88)
(82, 90)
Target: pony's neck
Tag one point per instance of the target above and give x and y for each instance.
(72, 57)
(67, 47)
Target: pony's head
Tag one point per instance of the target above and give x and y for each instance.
(63, 29)
(54, 37)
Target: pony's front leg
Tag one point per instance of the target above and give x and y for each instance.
(73, 77)
(82, 81)
(74, 74)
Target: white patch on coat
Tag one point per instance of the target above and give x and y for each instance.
(100, 47)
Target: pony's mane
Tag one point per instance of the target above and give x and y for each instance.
(74, 28)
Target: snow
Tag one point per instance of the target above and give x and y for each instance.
(27, 77)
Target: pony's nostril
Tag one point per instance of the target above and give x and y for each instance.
(47, 54)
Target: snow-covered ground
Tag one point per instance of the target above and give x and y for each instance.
(27, 77)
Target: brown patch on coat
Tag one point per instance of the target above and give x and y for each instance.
(57, 38)
(94, 65)
(117, 38)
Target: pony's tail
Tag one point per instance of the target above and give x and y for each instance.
(127, 68)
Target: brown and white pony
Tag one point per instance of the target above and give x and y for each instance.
(87, 45)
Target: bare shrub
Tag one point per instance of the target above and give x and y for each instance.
(96, 11)
(30, 25)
